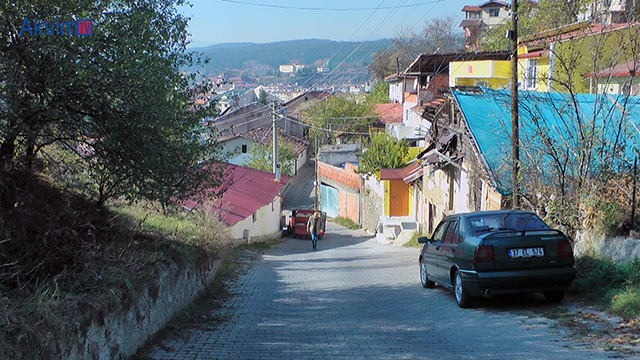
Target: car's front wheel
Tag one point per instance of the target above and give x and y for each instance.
(462, 297)
(554, 296)
(424, 277)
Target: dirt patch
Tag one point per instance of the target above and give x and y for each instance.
(591, 325)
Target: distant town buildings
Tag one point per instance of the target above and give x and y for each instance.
(290, 68)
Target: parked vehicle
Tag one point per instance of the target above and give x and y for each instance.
(497, 252)
(297, 223)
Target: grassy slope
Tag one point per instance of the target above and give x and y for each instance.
(66, 262)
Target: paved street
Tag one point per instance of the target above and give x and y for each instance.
(357, 299)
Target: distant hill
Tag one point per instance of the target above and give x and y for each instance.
(224, 57)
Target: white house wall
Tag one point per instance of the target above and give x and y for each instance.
(235, 144)
(395, 92)
(301, 161)
(267, 222)
(375, 185)
(461, 194)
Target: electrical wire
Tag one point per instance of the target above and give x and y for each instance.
(324, 9)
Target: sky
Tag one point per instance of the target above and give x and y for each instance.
(263, 21)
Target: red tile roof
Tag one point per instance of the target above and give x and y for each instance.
(389, 113)
(247, 190)
(471, 8)
(568, 32)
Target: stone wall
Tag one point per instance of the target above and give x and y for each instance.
(372, 208)
(616, 249)
(121, 333)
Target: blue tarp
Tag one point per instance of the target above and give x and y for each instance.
(551, 116)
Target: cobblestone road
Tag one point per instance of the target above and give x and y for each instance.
(357, 299)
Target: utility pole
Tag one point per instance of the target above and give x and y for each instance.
(275, 140)
(317, 207)
(635, 186)
(515, 136)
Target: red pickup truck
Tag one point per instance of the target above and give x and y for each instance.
(297, 223)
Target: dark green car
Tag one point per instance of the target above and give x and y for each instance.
(497, 252)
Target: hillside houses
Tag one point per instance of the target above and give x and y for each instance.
(455, 109)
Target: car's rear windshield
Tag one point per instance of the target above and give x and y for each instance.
(493, 222)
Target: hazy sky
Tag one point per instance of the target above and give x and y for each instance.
(262, 21)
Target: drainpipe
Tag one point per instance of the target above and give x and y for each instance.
(552, 55)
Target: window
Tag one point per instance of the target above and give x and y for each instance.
(473, 15)
(531, 74)
(439, 234)
(255, 217)
(494, 12)
(244, 149)
(506, 221)
(450, 236)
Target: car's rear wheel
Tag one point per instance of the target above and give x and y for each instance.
(554, 296)
(462, 297)
(424, 277)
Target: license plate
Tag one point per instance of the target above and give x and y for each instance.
(526, 252)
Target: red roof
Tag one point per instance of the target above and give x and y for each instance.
(411, 172)
(533, 54)
(471, 8)
(391, 174)
(247, 190)
(389, 113)
(569, 32)
(621, 70)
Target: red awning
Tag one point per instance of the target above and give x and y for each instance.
(411, 172)
(390, 174)
(534, 54)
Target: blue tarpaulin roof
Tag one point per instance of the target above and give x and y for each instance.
(551, 115)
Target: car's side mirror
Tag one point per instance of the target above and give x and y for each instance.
(423, 239)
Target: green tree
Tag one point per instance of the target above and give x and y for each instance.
(379, 93)
(438, 35)
(338, 115)
(262, 158)
(119, 94)
(263, 97)
(534, 18)
(383, 152)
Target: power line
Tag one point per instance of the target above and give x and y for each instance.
(344, 44)
(326, 9)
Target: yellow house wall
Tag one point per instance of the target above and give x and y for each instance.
(494, 73)
(386, 184)
(412, 205)
(578, 55)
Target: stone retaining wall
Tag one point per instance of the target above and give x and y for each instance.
(120, 334)
(616, 249)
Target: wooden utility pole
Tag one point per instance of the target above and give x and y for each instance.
(635, 187)
(275, 140)
(515, 135)
(317, 185)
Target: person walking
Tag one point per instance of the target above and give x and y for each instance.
(314, 225)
